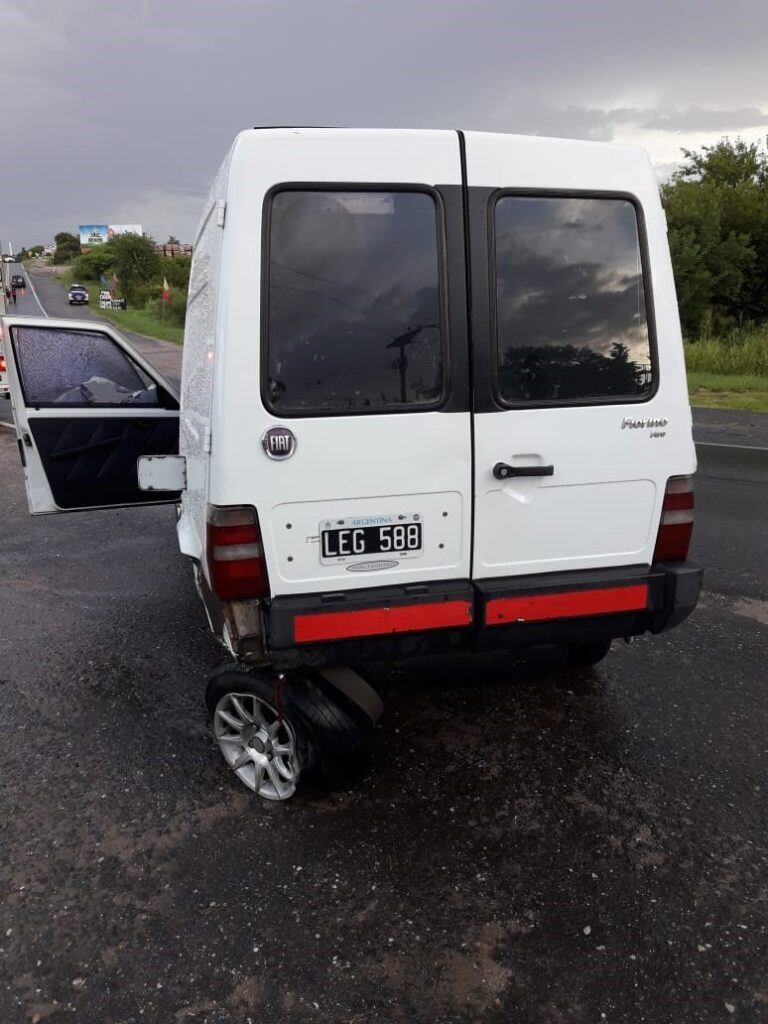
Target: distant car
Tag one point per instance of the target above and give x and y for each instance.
(17, 281)
(8, 259)
(78, 295)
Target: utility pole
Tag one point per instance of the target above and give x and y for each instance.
(400, 342)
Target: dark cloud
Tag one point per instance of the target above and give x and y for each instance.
(123, 111)
(697, 119)
(692, 119)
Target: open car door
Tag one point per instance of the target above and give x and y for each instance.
(87, 407)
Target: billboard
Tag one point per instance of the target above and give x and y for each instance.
(91, 235)
(97, 234)
(113, 230)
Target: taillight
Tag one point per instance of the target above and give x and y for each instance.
(676, 526)
(235, 555)
(2, 363)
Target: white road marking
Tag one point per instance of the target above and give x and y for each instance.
(740, 447)
(34, 292)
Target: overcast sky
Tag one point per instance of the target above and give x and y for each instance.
(121, 112)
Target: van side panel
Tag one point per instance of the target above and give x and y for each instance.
(198, 369)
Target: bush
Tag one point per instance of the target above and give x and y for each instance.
(67, 247)
(743, 352)
(176, 270)
(136, 264)
(91, 265)
(144, 294)
(175, 309)
(178, 308)
(65, 254)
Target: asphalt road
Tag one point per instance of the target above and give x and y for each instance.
(529, 847)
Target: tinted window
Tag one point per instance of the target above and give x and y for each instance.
(78, 368)
(570, 307)
(354, 302)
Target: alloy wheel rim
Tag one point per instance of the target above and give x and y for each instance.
(258, 744)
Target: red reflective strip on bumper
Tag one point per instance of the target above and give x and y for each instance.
(371, 621)
(570, 605)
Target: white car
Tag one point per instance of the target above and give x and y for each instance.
(368, 465)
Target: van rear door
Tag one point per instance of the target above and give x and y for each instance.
(351, 434)
(581, 410)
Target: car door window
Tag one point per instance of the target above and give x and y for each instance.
(77, 368)
(571, 321)
(354, 300)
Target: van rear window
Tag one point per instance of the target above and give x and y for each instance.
(354, 302)
(571, 319)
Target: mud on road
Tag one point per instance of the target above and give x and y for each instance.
(528, 846)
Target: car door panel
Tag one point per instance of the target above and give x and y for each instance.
(81, 427)
(92, 462)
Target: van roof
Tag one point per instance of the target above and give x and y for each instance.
(534, 139)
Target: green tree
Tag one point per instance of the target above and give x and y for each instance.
(726, 163)
(91, 265)
(67, 247)
(176, 270)
(135, 262)
(693, 280)
(717, 212)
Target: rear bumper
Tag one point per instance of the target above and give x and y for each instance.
(432, 618)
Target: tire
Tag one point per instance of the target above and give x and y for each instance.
(586, 655)
(331, 732)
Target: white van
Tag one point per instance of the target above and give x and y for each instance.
(433, 400)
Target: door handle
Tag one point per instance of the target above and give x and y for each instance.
(502, 471)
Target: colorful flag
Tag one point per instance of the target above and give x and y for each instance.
(166, 290)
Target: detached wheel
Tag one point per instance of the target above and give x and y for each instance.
(586, 655)
(274, 733)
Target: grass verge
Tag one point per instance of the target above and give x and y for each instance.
(728, 391)
(142, 321)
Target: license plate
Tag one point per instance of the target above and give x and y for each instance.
(344, 540)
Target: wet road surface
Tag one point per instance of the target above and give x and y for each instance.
(528, 847)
